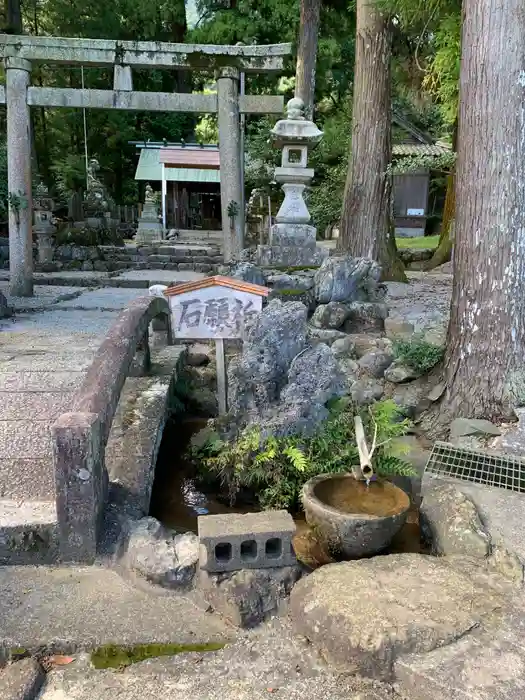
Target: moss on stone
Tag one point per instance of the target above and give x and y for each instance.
(115, 656)
(289, 292)
(291, 270)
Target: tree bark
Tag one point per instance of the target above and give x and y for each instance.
(443, 252)
(13, 17)
(307, 54)
(484, 363)
(366, 222)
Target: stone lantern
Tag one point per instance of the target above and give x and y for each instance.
(43, 227)
(292, 238)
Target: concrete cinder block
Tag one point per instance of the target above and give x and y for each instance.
(246, 541)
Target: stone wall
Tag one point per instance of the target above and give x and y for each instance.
(114, 258)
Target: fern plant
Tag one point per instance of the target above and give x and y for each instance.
(276, 468)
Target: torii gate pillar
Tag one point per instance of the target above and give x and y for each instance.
(231, 162)
(19, 177)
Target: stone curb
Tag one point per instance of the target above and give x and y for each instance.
(21, 680)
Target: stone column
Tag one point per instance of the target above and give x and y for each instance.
(19, 177)
(230, 156)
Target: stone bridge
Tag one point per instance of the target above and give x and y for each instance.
(83, 401)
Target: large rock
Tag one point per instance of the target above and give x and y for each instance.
(276, 336)
(247, 597)
(365, 316)
(364, 615)
(344, 347)
(160, 555)
(366, 391)
(331, 315)
(376, 362)
(247, 272)
(450, 522)
(324, 335)
(315, 376)
(348, 279)
(22, 680)
(399, 372)
(283, 280)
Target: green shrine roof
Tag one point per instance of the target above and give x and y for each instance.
(149, 168)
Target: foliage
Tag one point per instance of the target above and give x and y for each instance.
(276, 468)
(410, 164)
(88, 237)
(418, 353)
(70, 174)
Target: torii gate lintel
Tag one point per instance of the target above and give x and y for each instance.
(227, 62)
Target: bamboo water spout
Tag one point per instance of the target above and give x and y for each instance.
(365, 471)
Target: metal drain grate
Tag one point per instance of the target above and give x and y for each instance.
(502, 471)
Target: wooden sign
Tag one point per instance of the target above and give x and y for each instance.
(214, 308)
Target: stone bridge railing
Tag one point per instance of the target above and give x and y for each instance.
(80, 437)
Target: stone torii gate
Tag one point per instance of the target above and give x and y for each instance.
(227, 62)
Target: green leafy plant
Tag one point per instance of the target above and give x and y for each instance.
(418, 353)
(276, 468)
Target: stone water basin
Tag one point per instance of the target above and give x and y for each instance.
(351, 519)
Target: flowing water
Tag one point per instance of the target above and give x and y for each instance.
(178, 499)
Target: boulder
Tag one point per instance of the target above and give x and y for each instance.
(160, 555)
(399, 372)
(331, 315)
(324, 335)
(397, 327)
(376, 362)
(286, 281)
(315, 376)
(275, 337)
(363, 343)
(450, 522)
(248, 597)
(410, 398)
(343, 347)
(365, 615)
(347, 279)
(247, 272)
(366, 391)
(365, 316)
(350, 369)
(197, 359)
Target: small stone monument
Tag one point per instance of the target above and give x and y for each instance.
(43, 227)
(292, 239)
(150, 228)
(96, 201)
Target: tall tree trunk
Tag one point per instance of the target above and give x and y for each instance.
(486, 337)
(307, 54)
(443, 252)
(365, 223)
(13, 17)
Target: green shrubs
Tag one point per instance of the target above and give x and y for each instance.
(418, 353)
(276, 468)
(88, 237)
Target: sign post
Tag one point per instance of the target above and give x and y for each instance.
(214, 308)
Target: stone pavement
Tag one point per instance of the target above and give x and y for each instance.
(259, 664)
